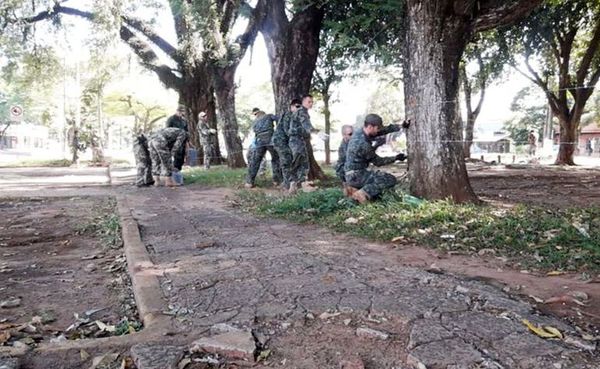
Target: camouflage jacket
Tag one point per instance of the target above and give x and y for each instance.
(174, 138)
(300, 124)
(360, 152)
(263, 128)
(280, 137)
(341, 156)
(204, 131)
(177, 122)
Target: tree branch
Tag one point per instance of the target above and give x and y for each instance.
(149, 58)
(148, 32)
(494, 13)
(591, 51)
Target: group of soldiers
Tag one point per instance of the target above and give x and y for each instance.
(163, 152)
(286, 140)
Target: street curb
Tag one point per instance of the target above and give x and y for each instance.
(146, 288)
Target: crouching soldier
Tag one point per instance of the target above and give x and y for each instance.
(142, 161)
(360, 153)
(163, 145)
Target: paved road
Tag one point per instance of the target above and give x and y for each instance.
(317, 295)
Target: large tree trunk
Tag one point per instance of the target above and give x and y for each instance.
(293, 47)
(197, 95)
(223, 79)
(436, 38)
(568, 142)
(469, 135)
(327, 114)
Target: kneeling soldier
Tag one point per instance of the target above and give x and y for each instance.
(361, 153)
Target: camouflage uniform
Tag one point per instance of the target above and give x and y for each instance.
(281, 145)
(299, 134)
(359, 155)
(339, 167)
(162, 145)
(142, 161)
(204, 133)
(263, 132)
(176, 121)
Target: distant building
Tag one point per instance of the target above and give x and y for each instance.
(497, 142)
(25, 136)
(590, 135)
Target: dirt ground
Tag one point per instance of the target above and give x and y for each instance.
(546, 186)
(53, 268)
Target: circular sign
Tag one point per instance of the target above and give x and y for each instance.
(16, 111)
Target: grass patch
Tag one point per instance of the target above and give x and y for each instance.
(55, 163)
(222, 176)
(532, 237)
(104, 224)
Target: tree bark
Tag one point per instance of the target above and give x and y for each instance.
(436, 38)
(568, 141)
(327, 114)
(223, 80)
(293, 47)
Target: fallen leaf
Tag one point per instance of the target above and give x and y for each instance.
(555, 273)
(183, 363)
(351, 220)
(537, 299)
(105, 327)
(543, 332)
(4, 337)
(398, 239)
(84, 355)
(563, 298)
(263, 355)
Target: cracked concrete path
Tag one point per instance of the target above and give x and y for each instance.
(319, 299)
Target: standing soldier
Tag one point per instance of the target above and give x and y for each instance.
(205, 132)
(177, 120)
(361, 153)
(299, 134)
(532, 141)
(162, 145)
(281, 142)
(143, 162)
(263, 128)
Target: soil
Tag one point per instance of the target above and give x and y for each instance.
(57, 269)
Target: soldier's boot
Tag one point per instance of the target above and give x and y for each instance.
(308, 187)
(170, 182)
(248, 185)
(349, 190)
(361, 196)
(156, 181)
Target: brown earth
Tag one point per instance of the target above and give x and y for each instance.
(57, 268)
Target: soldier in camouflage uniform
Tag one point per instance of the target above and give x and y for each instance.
(263, 128)
(347, 131)
(299, 134)
(281, 143)
(204, 133)
(143, 162)
(177, 120)
(361, 153)
(162, 145)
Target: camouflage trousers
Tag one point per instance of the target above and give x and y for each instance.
(162, 160)
(372, 182)
(179, 157)
(143, 165)
(285, 162)
(256, 157)
(207, 151)
(299, 166)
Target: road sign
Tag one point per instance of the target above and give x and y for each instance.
(16, 113)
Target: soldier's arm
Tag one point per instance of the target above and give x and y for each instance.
(181, 139)
(305, 123)
(379, 161)
(389, 129)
